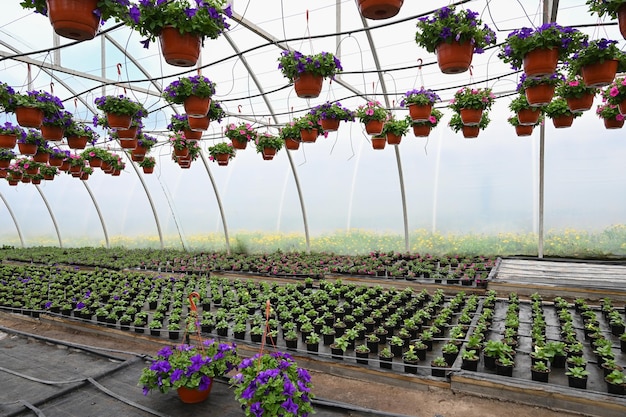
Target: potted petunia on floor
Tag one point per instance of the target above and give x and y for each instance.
(189, 369)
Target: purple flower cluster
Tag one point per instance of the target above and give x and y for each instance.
(332, 111)
(419, 97)
(278, 382)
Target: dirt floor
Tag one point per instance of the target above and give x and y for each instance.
(434, 402)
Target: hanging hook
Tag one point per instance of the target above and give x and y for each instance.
(239, 108)
(51, 88)
(307, 17)
(119, 69)
(192, 303)
(75, 102)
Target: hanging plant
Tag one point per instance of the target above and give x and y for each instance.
(563, 41)
(578, 95)
(420, 97)
(267, 145)
(120, 105)
(448, 29)
(222, 153)
(240, 134)
(216, 112)
(6, 97)
(456, 124)
(178, 91)
(472, 98)
(433, 120)
(293, 64)
(207, 18)
(334, 110)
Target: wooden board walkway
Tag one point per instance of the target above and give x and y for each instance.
(561, 277)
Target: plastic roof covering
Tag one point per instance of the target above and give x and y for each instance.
(451, 184)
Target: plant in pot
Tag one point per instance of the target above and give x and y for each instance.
(193, 92)
(373, 115)
(455, 35)
(457, 125)
(312, 342)
(180, 25)
(597, 62)
(616, 382)
(120, 110)
(577, 377)
(55, 124)
(496, 349)
(410, 360)
(470, 359)
(527, 115)
(614, 9)
(540, 371)
(610, 115)
(85, 18)
(9, 133)
(331, 114)
(539, 50)
(222, 153)
(273, 384)
(267, 145)
(394, 129)
(31, 108)
(470, 103)
(573, 361)
(362, 353)
(438, 367)
(578, 95)
(240, 134)
(385, 356)
(560, 113)
(307, 72)
(420, 103)
(7, 94)
(339, 346)
(422, 129)
(291, 339)
(290, 134)
(79, 135)
(189, 369)
(309, 127)
(539, 91)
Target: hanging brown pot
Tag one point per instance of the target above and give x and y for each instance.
(27, 148)
(330, 125)
(41, 157)
(613, 123)
(471, 117)
(222, 159)
(181, 153)
(56, 162)
(308, 85)
(95, 162)
(119, 121)
(621, 19)
(374, 127)
(455, 57)
(309, 136)
(540, 94)
(239, 144)
(470, 132)
(77, 142)
(129, 133)
(421, 130)
(193, 396)
(128, 143)
(84, 176)
(541, 62)
(137, 157)
(528, 116)
(394, 139)
(8, 141)
(199, 124)
(420, 112)
(580, 104)
(140, 150)
(292, 144)
(561, 122)
(379, 142)
(379, 9)
(148, 170)
(36, 181)
(524, 130)
(193, 134)
(52, 133)
(268, 154)
(600, 74)
(74, 19)
(197, 106)
(29, 116)
(4, 163)
(181, 50)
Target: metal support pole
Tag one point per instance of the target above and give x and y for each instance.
(95, 204)
(219, 201)
(54, 220)
(17, 225)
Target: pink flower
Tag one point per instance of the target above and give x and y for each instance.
(573, 83)
(369, 112)
(92, 154)
(614, 91)
(432, 119)
(619, 117)
(624, 81)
